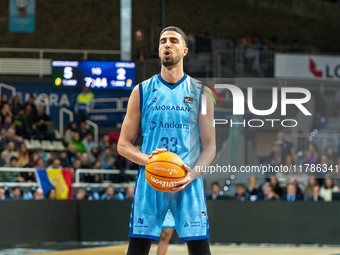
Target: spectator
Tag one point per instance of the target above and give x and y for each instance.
(93, 155)
(268, 193)
(309, 188)
(298, 190)
(81, 194)
(253, 189)
(312, 156)
(202, 41)
(275, 184)
(16, 108)
(4, 99)
(53, 156)
(27, 122)
(241, 194)
(334, 174)
(2, 194)
(8, 123)
(316, 195)
(5, 111)
(291, 195)
(84, 102)
(332, 157)
(218, 43)
(69, 132)
(79, 145)
(15, 194)
(104, 143)
(276, 156)
(71, 153)
(11, 176)
(38, 194)
(31, 103)
(301, 177)
(51, 195)
(85, 164)
(217, 193)
(55, 165)
(64, 160)
(330, 140)
(110, 194)
(22, 155)
(76, 164)
(88, 142)
(106, 158)
(327, 189)
(10, 137)
(83, 130)
(286, 144)
(129, 193)
(43, 122)
(39, 164)
(7, 154)
(284, 175)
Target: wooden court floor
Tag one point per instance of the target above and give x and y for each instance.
(215, 250)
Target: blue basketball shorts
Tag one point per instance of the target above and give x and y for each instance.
(187, 206)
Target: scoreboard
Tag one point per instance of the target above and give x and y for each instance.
(94, 74)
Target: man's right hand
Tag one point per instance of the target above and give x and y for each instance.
(155, 152)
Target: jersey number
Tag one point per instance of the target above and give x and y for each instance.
(170, 147)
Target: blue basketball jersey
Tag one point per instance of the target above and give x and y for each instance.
(169, 119)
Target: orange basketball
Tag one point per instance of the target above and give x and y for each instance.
(163, 169)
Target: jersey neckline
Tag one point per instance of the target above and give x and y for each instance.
(172, 86)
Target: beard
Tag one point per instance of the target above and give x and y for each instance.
(170, 61)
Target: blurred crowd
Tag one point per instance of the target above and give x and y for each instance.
(312, 176)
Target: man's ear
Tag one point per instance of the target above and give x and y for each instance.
(185, 52)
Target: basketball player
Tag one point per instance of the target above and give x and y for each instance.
(167, 106)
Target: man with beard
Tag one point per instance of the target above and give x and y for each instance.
(167, 106)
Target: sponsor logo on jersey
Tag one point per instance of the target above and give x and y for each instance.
(186, 225)
(173, 125)
(154, 99)
(162, 183)
(171, 170)
(188, 100)
(140, 220)
(154, 90)
(176, 108)
(153, 125)
(204, 213)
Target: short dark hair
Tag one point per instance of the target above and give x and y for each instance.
(13, 158)
(178, 30)
(215, 183)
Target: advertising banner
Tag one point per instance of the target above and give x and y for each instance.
(22, 16)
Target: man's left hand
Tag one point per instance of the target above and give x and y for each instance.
(189, 177)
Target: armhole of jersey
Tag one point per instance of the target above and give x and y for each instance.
(200, 99)
(140, 86)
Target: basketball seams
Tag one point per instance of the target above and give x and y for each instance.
(162, 161)
(164, 176)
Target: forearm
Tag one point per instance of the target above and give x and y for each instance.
(206, 157)
(129, 151)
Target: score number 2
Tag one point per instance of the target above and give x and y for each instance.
(172, 147)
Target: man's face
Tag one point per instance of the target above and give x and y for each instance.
(16, 192)
(240, 190)
(11, 133)
(171, 48)
(38, 194)
(10, 146)
(291, 190)
(110, 191)
(216, 188)
(13, 163)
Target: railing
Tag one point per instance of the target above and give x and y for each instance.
(40, 54)
(77, 182)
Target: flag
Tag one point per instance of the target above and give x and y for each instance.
(60, 180)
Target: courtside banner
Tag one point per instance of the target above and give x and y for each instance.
(307, 66)
(22, 16)
(60, 180)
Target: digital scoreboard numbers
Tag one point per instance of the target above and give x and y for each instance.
(94, 74)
